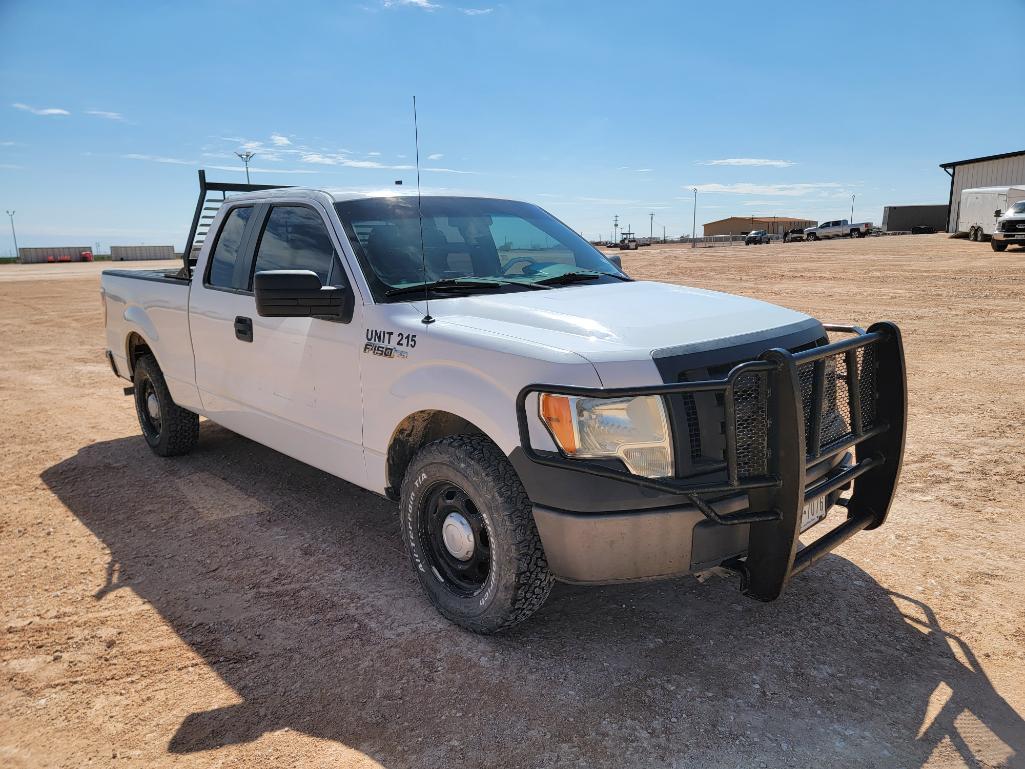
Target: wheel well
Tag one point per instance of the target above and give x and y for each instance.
(135, 348)
(415, 432)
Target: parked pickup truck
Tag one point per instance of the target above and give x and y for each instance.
(536, 413)
(838, 228)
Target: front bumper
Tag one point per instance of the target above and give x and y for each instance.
(1009, 237)
(776, 441)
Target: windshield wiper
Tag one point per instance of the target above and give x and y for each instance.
(458, 284)
(576, 277)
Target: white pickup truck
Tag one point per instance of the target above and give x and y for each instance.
(535, 412)
(838, 228)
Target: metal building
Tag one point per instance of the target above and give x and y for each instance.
(903, 218)
(134, 253)
(54, 254)
(741, 225)
(990, 171)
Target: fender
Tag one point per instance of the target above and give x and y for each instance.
(485, 399)
(139, 321)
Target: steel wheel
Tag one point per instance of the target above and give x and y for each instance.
(149, 408)
(455, 539)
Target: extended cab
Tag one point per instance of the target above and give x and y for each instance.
(536, 413)
(838, 228)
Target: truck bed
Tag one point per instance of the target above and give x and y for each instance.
(161, 276)
(151, 306)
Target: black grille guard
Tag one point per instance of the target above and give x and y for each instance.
(779, 402)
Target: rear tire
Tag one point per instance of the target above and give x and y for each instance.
(812, 236)
(488, 571)
(998, 245)
(973, 235)
(169, 429)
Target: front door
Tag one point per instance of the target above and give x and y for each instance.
(294, 383)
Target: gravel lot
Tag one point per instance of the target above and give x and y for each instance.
(235, 608)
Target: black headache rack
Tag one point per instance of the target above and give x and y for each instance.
(206, 209)
(785, 412)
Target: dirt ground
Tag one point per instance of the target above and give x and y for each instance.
(235, 608)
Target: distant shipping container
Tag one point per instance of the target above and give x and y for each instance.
(134, 253)
(55, 254)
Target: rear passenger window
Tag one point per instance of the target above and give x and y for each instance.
(222, 263)
(295, 238)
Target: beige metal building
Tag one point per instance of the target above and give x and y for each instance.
(741, 225)
(990, 171)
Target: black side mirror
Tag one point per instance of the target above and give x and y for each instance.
(997, 213)
(300, 294)
(617, 260)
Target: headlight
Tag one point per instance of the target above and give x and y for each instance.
(635, 430)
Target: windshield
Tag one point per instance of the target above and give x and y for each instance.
(1018, 208)
(507, 242)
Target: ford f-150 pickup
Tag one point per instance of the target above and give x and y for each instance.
(536, 413)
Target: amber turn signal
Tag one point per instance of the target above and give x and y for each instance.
(556, 411)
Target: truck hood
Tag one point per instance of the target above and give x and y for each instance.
(618, 321)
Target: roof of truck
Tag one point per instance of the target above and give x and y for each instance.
(341, 195)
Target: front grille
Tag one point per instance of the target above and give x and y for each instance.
(699, 419)
(1013, 226)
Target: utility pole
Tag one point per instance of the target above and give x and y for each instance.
(245, 157)
(651, 226)
(14, 234)
(615, 226)
(663, 233)
(694, 222)
(852, 209)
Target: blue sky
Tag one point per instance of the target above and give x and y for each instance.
(588, 108)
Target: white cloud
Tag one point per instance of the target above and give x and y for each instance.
(10, 166)
(38, 111)
(427, 5)
(476, 11)
(105, 114)
(748, 162)
(374, 154)
(280, 141)
(255, 170)
(160, 159)
(339, 159)
(435, 156)
(784, 190)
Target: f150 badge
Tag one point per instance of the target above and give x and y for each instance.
(388, 344)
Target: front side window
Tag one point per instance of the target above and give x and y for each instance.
(295, 238)
(505, 242)
(226, 251)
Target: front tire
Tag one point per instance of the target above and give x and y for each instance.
(998, 245)
(169, 429)
(812, 236)
(469, 529)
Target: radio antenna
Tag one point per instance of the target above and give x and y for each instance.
(420, 215)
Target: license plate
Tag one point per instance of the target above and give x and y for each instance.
(813, 513)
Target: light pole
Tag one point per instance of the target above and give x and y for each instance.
(13, 233)
(852, 209)
(245, 157)
(694, 221)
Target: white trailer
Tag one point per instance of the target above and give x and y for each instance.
(980, 208)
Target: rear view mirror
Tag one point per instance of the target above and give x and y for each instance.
(300, 294)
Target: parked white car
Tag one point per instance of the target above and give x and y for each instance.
(838, 228)
(536, 413)
(1010, 229)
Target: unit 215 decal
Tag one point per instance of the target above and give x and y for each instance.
(388, 344)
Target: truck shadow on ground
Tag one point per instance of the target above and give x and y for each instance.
(293, 587)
